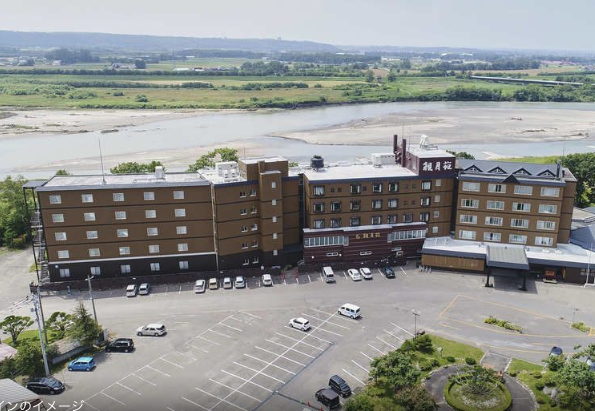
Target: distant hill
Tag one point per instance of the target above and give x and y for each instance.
(130, 42)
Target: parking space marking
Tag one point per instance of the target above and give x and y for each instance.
(292, 349)
(259, 372)
(128, 388)
(112, 398)
(199, 348)
(328, 322)
(303, 342)
(402, 329)
(207, 340)
(171, 362)
(218, 333)
(344, 274)
(238, 320)
(251, 315)
(309, 279)
(381, 352)
(221, 400)
(330, 332)
(198, 405)
(354, 377)
(96, 409)
(231, 388)
(390, 345)
(366, 355)
(272, 365)
(395, 336)
(360, 366)
(170, 409)
(311, 335)
(246, 381)
(142, 379)
(274, 353)
(230, 327)
(404, 272)
(156, 370)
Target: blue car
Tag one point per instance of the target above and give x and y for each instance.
(82, 364)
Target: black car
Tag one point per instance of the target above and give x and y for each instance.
(45, 385)
(121, 344)
(328, 397)
(339, 385)
(388, 272)
(556, 351)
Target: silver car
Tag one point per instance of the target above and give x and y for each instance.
(144, 289)
(131, 290)
(240, 282)
(200, 286)
(154, 330)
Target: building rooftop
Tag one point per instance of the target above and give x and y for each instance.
(357, 172)
(254, 160)
(121, 181)
(428, 151)
(582, 217)
(548, 171)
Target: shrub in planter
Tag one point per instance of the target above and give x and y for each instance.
(470, 361)
(450, 358)
(512, 373)
(539, 385)
(435, 362)
(540, 400)
(537, 376)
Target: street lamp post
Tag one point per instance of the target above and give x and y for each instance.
(415, 315)
(36, 310)
(91, 297)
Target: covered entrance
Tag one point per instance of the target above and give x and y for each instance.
(507, 261)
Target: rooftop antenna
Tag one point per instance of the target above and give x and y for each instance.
(101, 160)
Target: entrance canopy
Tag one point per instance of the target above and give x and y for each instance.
(507, 257)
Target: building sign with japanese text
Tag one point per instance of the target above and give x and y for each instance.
(367, 235)
(437, 165)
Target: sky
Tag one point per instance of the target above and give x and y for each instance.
(509, 24)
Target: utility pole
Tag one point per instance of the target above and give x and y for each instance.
(45, 331)
(91, 297)
(415, 315)
(37, 318)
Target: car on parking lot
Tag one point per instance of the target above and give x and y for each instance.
(328, 397)
(388, 272)
(144, 289)
(340, 386)
(155, 330)
(82, 364)
(45, 385)
(556, 351)
(131, 290)
(300, 323)
(354, 274)
(213, 284)
(199, 286)
(240, 282)
(350, 310)
(227, 283)
(366, 273)
(267, 280)
(120, 344)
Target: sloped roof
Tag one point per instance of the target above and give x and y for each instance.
(13, 393)
(489, 166)
(506, 257)
(584, 236)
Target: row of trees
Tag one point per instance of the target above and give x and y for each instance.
(67, 56)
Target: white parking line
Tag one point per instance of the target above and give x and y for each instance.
(230, 327)
(360, 366)
(171, 362)
(207, 340)
(354, 377)
(366, 355)
(198, 405)
(251, 315)
(259, 372)
(112, 398)
(142, 379)
(156, 370)
(344, 274)
(292, 349)
(393, 335)
(266, 362)
(401, 328)
(328, 322)
(170, 409)
(199, 348)
(330, 332)
(128, 388)
(217, 332)
(403, 270)
(237, 319)
(180, 290)
(220, 399)
(96, 409)
(390, 345)
(247, 381)
(274, 353)
(239, 392)
(309, 335)
(303, 342)
(381, 352)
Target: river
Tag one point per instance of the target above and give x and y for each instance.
(24, 155)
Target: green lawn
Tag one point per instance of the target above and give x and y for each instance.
(450, 348)
(32, 335)
(527, 372)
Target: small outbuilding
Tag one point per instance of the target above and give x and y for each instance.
(14, 395)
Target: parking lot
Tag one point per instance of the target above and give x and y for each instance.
(233, 349)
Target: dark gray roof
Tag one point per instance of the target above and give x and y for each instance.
(506, 257)
(584, 237)
(507, 168)
(13, 393)
(589, 210)
(34, 183)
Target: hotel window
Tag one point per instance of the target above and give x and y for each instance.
(92, 235)
(125, 269)
(436, 214)
(124, 250)
(467, 235)
(523, 190)
(425, 201)
(275, 236)
(550, 191)
(393, 187)
(377, 188)
(274, 219)
(436, 198)
(548, 241)
(150, 214)
(94, 252)
(319, 207)
(273, 185)
(469, 203)
(253, 210)
(120, 215)
(180, 212)
(149, 196)
(355, 189)
(526, 207)
(254, 227)
(252, 192)
(255, 260)
(244, 246)
(546, 225)
(498, 221)
(519, 223)
(426, 185)
(425, 217)
(64, 272)
(243, 229)
(408, 217)
(246, 261)
(335, 222)
(182, 229)
(154, 249)
(57, 218)
(91, 216)
(496, 188)
(376, 220)
(118, 196)
(155, 267)
(183, 265)
(254, 243)
(392, 219)
(60, 236)
(517, 239)
(274, 202)
(468, 219)
(178, 195)
(354, 222)
(243, 211)
(275, 252)
(376, 204)
(56, 199)
(182, 247)
(87, 198)
(335, 206)
(355, 205)
(242, 194)
(318, 223)
(438, 183)
(497, 237)
(95, 270)
(435, 230)
(548, 208)
(151, 231)
(467, 186)
(63, 254)
(392, 203)
(495, 205)
(122, 232)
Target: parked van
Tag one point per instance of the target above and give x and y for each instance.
(328, 397)
(350, 310)
(328, 274)
(339, 385)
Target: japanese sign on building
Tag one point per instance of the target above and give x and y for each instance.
(433, 165)
(367, 235)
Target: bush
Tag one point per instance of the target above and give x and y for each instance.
(512, 373)
(503, 323)
(540, 400)
(537, 376)
(141, 98)
(450, 358)
(118, 94)
(549, 381)
(423, 343)
(407, 346)
(580, 326)
(539, 385)
(470, 361)
(553, 403)
(435, 362)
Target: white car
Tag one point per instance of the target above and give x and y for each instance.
(154, 330)
(354, 274)
(131, 290)
(213, 284)
(366, 273)
(144, 289)
(300, 323)
(267, 280)
(200, 286)
(240, 282)
(227, 283)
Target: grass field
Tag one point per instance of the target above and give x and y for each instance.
(527, 372)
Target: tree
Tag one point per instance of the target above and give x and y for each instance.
(62, 172)
(555, 362)
(416, 398)
(84, 329)
(579, 382)
(461, 154)
(392, 76)
(370, 76)
(582, 166)
(361, 402)
(396, 368)
(140, 64)
(208, 160)
(29, 359)
(15, 325)
(132, 167)
(141, 98)
(59, 322)
(14, 216)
